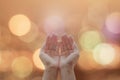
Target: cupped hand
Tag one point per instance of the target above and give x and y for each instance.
(51, 46)
(69, 52)
(49, 52)
(66, 45)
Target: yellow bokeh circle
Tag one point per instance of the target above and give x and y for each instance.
(104, 54)
(22, 67)
(19, 25)
(37, 61)
(90, 39)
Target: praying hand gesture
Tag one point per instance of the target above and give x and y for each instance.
(59, 56)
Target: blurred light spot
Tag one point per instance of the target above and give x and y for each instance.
(113, 23)
(89, 40)
(19, 25)
(31, 35)
(116, 61)
(104, 54)
(7, 57)
(38, 63)
(54, 24)
(12, 77)
(86, 61)
(22, 67)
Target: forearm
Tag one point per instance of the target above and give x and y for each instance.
(67, 68)
(51, 70)
(50, 74)
(67, 73)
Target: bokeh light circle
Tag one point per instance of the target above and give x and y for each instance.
(54, 24)
(37, 61)
(104, 54)
(13, 77)
(19, 25)
(86, 61)
(90, 39)
(31, 35)
(113, 23)
(22, 67)
(7, 56)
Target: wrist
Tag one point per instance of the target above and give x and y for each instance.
(62, 62)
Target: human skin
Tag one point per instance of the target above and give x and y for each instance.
(69, 58)
(62, 61)
(49, 58)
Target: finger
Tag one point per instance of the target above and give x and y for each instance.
(54, 40)
(63, 46)
(54, 45)
(68, 43)
(57, 49)
(51, 43)
(71, 48)
(64, 41)
(67, 46)
(64, 50)
(47, 43)
(71, 42)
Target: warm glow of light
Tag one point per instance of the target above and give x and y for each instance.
(6, 59)
(12, 77)
(104, 54)
(97, 11)
(38, 63)
(31, 35)
(19, 25)
(116, 62)
(89, 40)
(113, 23)
(54, 24)
(22, 67)
(86, 61)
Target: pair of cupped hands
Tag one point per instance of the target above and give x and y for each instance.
(55, 49)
